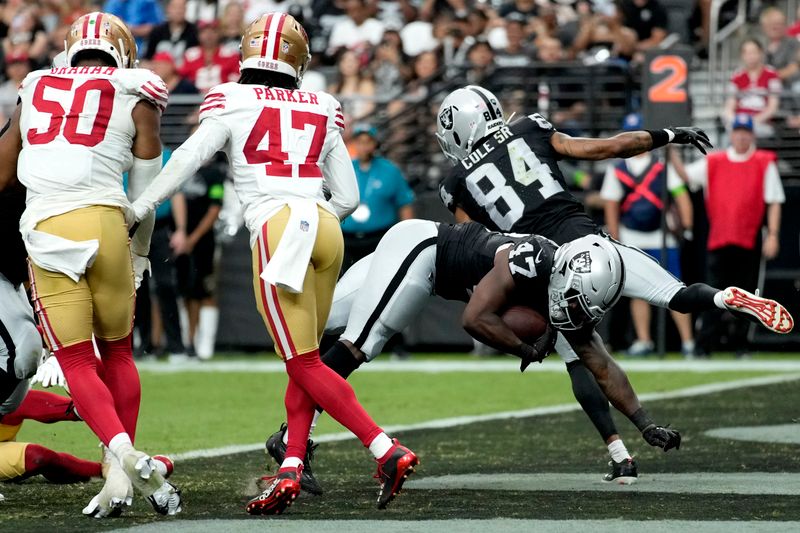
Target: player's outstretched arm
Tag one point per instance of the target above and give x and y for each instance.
(627, 144)
(206, 141)
(10, 147)
(481, 317)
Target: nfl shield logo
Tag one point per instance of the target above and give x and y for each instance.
(304, 225)
(581, 263)
(254, 42)
(446, 118)
(285, 47)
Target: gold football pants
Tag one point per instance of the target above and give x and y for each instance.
(296, 321)
(102, 300)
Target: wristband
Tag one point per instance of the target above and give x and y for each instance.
(660, 138)
(641, 419)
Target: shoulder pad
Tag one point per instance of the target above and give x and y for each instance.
(542, 122)
(146, 84)
(215, 101)
(334, 109)
(32, 77)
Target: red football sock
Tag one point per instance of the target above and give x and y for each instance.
(333, 394)
(91, 396)
(122, 379)
(300, 409)
(58, 467)
(41, 406)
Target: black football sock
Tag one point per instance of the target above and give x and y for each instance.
(591, 397)
(341, 360)
(694, 298)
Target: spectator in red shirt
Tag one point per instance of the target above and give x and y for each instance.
(209, 64)
(794, 29)
(754, 89)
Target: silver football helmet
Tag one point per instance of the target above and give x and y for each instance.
(587, 280)
(465, 117)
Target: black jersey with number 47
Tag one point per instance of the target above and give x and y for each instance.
(511, 182)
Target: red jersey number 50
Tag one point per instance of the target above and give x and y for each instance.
(65, 122)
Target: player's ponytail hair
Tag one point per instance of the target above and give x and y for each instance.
(268, 78)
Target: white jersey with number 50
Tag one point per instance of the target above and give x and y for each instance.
(77, 134)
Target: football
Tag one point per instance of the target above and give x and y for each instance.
(526, 323)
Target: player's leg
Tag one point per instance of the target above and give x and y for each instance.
(347, 288)
(68, 311)
(595, 404)
(292, 322)
(396, 287)
(58, 467)
(113, 294)
(65, 310)
(646, 279)
(20, 345)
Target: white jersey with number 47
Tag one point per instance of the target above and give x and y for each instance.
(281, 144)
(77, 134)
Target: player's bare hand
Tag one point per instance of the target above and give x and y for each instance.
(662, 437)
(694, 136)
(539, 350)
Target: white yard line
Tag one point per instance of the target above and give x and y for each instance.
(506, 525)
(780, 484)
(698, 390)
(259, 365)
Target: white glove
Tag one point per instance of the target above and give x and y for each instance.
(49, 374)
(140, 266)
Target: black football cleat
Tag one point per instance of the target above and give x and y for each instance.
(281, 492)
(276, 449)
(622, 473)
(394, 472)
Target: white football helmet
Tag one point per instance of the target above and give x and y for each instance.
(587, 280)
(465, 117)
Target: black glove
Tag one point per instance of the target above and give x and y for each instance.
(662, 437)
(539, 350)
(694, 136)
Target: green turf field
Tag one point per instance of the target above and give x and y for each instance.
(198, 410)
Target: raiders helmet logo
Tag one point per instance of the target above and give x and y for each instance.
(581, 263)
(446, 118)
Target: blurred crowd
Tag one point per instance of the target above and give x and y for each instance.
(389, 63)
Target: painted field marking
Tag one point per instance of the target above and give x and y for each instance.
(783, 433)
(506, 525)
(503, 365)
(440, 423)
(780, 484)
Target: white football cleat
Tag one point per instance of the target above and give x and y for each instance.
(166, 500)
(116, 494)
(769, 313)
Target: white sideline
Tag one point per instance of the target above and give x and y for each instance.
(503, 365)
(698, 390)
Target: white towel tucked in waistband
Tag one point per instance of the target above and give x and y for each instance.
(58, 254)
(287, 267)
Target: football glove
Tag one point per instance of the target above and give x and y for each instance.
(539, 350)
(694, 136)
(140, 266)
(49, 374)
(662, 437)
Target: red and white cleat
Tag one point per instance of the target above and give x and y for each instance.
(280, 494)
(394, 472)
(770, 313)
